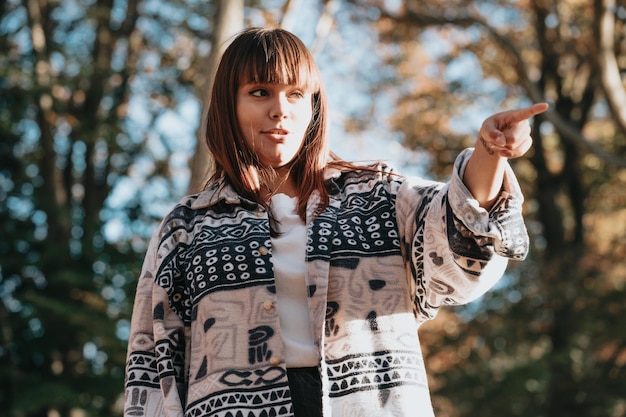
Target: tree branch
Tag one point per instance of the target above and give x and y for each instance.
(568, 132)
(609, 69)
(324, 25)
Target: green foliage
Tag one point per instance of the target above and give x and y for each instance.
(548, 342)
(512, 366)
(68, 74)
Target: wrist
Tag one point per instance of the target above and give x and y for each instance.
(485, 146)
(491, 153)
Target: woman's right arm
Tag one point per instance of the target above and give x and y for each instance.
(457, 250)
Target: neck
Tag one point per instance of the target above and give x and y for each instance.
(281, 184)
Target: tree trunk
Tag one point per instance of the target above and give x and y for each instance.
(228, 21)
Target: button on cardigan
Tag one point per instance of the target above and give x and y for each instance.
(381, 259)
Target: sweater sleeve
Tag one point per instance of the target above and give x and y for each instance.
(155, 358)
(455, 249)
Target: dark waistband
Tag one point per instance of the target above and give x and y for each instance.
(306, 369)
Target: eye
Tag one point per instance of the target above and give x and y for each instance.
(258, 92)
(297, 95)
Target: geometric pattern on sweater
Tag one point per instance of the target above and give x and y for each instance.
(417, 253)
(264, 401)
(140, 367)
(474, 251)
(379, 370)
(514, 244)
(364, 225)
(471, 253)
(170, 357)
(217, 259)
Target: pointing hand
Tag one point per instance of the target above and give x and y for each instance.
(507, 134)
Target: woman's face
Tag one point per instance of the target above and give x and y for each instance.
(274, 119)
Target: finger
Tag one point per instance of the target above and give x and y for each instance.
(508, 137)
(515, 137)
(517, 151)
(522, 143)
(492, 133)
(516, 132)
(516, 116)
(520, 150)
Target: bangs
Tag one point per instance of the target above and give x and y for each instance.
(277, 57)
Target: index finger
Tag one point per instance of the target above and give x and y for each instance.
(527, 112)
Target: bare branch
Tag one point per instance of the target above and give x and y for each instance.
(288, 20)
(324, 25)
(565, 129)
(609, 70)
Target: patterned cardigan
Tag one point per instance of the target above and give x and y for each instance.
(380, 260)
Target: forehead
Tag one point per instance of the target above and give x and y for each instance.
(278, 62)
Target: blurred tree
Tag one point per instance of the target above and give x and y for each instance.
(229, 20)
(549, 342)
(82, 184)
(63, 96)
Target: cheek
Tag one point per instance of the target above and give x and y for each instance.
(245, 126)
(241, 117)
(304, 117)
(244, 111)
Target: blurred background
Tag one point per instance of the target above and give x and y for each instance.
(100, 105)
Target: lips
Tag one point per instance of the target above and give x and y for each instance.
(276, 135)
(279, 132)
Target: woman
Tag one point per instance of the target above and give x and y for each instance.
(295, 283)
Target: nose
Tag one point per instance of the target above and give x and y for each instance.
(279, 109)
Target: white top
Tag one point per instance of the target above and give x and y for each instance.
(288, 257)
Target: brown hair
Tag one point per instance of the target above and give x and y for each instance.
(266, 56)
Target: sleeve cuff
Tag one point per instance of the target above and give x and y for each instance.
(504, 223)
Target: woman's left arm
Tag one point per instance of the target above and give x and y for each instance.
(502, 136)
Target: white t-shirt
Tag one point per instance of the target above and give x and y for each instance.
(288, 256)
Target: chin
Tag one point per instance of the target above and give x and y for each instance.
(278, 164)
